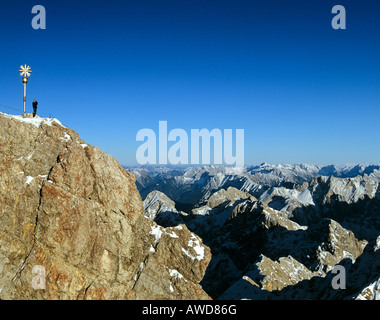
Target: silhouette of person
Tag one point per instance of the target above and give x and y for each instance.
(35, 103)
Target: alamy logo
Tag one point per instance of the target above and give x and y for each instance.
(200, 140)
(339, 21)
(39, 20)
(339, 281)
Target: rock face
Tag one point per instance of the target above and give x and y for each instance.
(160, 208)
(71, 214)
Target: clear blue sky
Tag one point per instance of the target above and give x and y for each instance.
(302, 91)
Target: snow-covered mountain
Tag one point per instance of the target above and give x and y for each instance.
(194, 185)
(267, 174)
(276, 232)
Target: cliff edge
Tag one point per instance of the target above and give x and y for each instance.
(72, 216)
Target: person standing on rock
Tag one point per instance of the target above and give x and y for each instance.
(35, 103)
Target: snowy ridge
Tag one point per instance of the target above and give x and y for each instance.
(37, 121)
(196, 184)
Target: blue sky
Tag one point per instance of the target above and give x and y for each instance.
(303, 92)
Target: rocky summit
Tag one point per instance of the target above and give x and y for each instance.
(71, 217)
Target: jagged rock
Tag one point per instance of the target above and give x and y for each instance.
(231, 194)
(275, 275)
(351, 190)
(273, 218)
(176, 263)
(287, 200)
(220, 201)
(72, 209)
(156, 203)
(340, 244)
(371, 292)
(158, 207)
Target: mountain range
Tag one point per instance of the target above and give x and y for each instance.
(275, 231)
